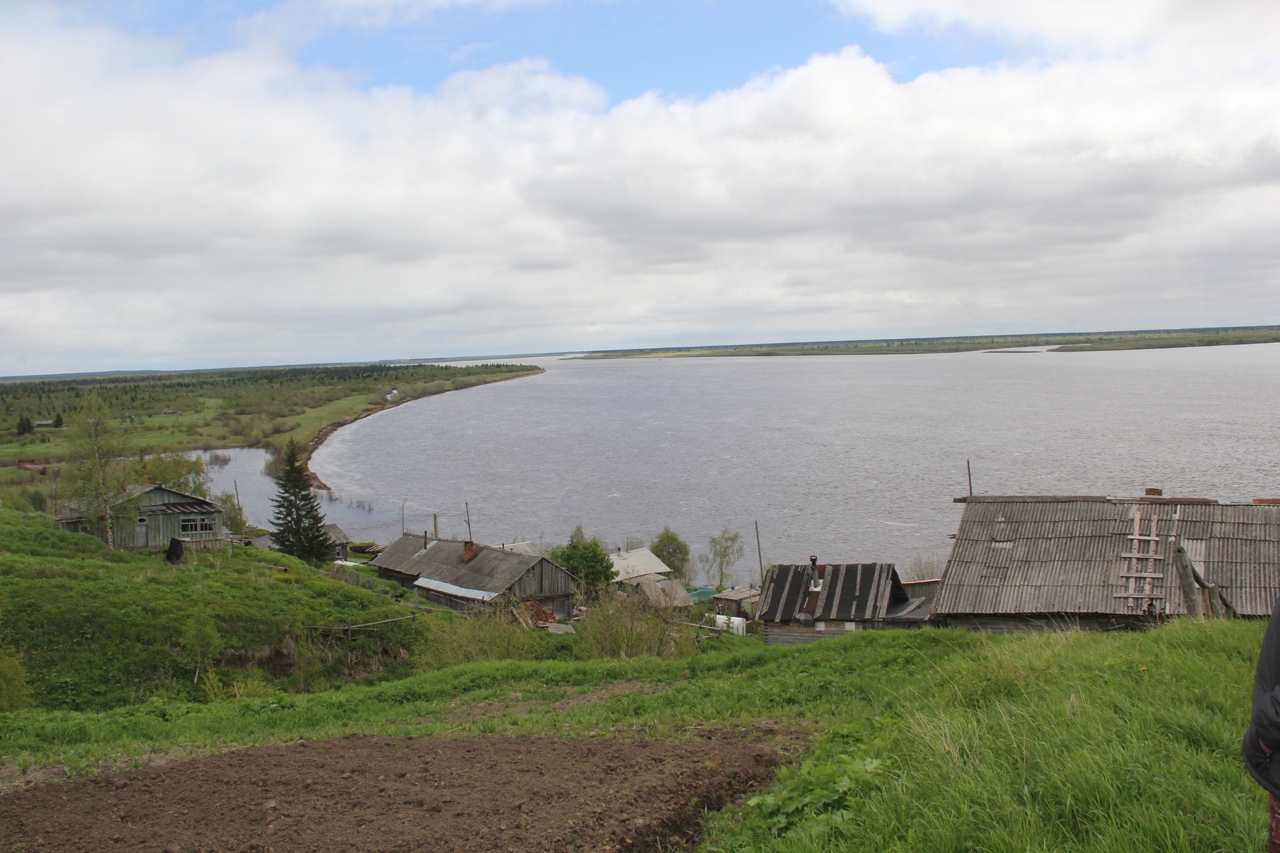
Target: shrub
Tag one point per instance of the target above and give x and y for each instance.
(14, 692)
(619, 626)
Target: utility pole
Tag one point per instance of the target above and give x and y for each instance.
(759, 554)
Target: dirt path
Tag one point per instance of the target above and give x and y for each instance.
(363, 793)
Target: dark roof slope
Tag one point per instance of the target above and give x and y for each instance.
(491, 570)
(848, 592)
(1107, 556)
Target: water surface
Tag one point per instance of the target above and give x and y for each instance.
(851, 458)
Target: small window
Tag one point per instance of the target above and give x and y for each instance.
(142, 519)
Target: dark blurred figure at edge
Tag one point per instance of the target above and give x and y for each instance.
(1262, 741)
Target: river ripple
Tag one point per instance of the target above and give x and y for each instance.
(851, 458)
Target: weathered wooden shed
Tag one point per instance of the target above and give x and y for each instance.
(463, 574)
(161, 514)
(741, 601)
(659, 591)
(340, 541)
(1030, 562)
(803, 603)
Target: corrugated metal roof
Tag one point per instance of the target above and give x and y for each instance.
(840, 592)
(1088, 555)
(490, 570)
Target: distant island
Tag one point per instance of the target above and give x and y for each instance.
(1055, 342)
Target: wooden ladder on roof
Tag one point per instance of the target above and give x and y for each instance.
(1143, 574)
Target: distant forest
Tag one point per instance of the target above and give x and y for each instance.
(1057, 342)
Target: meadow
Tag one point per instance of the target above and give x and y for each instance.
(210, 409)
(926, 740)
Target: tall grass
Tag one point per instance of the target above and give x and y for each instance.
(931, 740)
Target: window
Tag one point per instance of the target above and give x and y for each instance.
(197, 525)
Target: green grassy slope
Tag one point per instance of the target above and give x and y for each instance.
(98, 629)
(930, 740)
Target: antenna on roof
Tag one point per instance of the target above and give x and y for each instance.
(470, 537)
(969, 468)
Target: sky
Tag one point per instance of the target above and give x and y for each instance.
(228, 183)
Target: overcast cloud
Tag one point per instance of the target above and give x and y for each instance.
(159, 210)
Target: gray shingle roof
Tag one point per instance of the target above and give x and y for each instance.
(1084, 555)
(490, 570)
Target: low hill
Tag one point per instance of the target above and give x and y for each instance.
(97, 629)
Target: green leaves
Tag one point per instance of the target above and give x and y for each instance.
(816, 797)
(585, 559)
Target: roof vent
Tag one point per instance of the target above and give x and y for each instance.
(1155, 493)
(813, 561)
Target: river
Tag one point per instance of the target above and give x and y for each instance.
(850, 458)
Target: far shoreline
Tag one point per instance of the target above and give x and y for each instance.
(329, 429)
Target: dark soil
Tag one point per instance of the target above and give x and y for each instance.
(363, 793)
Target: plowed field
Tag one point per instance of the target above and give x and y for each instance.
(363, 793)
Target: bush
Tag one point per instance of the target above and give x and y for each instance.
(486, 633)
(14, 692)
(619, 626)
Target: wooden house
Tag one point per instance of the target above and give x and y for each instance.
(158, 515)
(1021, 563)
(340, 541)
(803, 603)
(464, 574)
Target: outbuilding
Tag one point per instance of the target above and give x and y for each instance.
(340, 541)
(740, 601)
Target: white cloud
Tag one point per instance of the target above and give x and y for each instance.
(236, 209)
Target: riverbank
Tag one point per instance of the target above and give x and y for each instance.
(210, 410)
(1057, 342)
(329, 429)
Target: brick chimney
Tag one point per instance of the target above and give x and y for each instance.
(468, 551)
(1155, 493)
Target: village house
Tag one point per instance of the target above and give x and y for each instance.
(1024, 563)
(463, 574)
(803, 603)
(641, 572)
(160, 514)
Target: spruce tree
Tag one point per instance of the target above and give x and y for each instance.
(297, 518)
